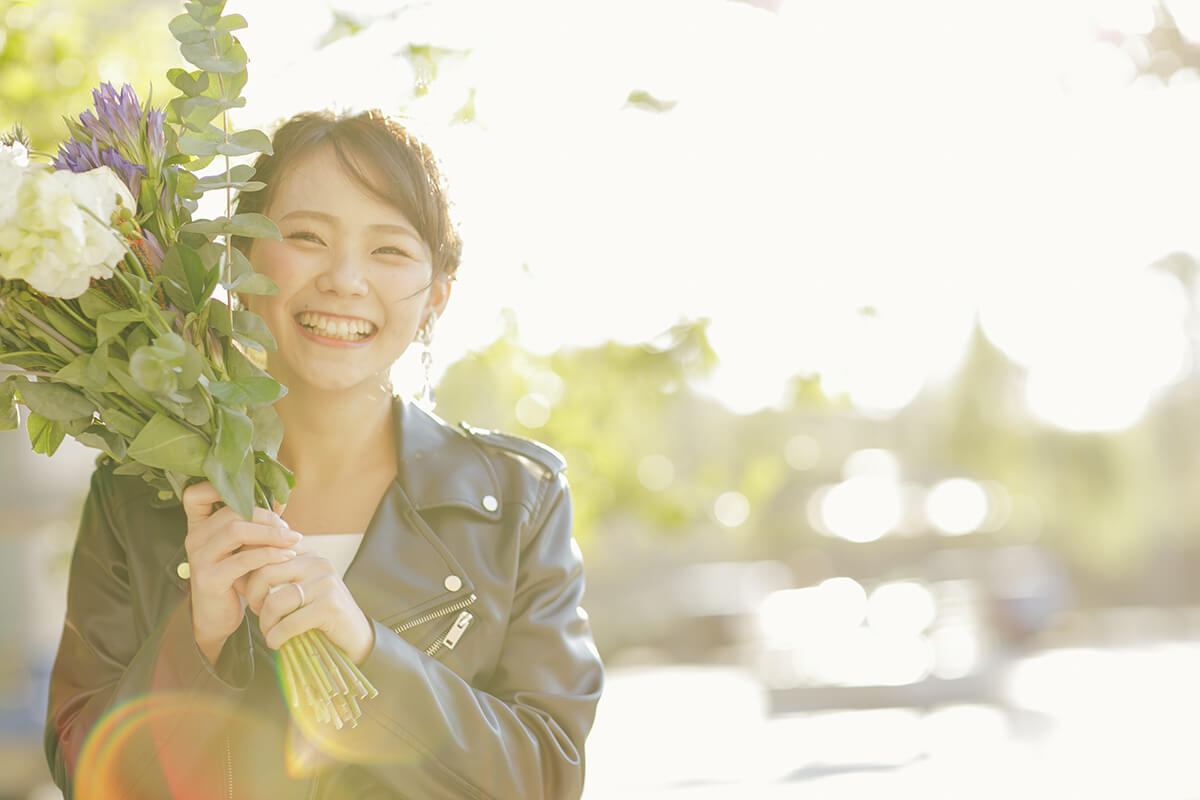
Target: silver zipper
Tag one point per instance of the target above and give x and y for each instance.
(228, 769)
(458, 605)
(450, 639)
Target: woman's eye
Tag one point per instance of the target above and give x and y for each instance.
(306, 236)
(393, 251)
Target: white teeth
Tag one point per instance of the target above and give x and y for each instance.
(335, 327)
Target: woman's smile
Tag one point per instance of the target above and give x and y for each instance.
(335, 329)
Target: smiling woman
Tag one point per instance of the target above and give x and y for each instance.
(460, 604)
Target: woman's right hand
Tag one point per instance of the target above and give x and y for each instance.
(221, 548)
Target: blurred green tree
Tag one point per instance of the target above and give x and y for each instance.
(54, 52)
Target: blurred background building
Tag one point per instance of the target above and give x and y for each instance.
(868, 329)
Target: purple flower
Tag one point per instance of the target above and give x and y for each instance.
(120, 112)
(156, 143)
(155, 249)
(131, 174)
(77, 157)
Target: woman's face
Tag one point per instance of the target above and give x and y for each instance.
(355, 279)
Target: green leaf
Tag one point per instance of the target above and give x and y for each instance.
(187, 30)
(55, 401)
(230, 462)
(197, 112)
(254, 284)
(218, 318)
(138, 337)
(8, 406)
(97, 369)
(233, 85)
(80, 373)
(239, 366)
(239, 265)
(191, 368)
(234, 433)
(249, 328)
(268, 430)
(129, 386)
(645, 101)
(124, 424)
(45, 435)
(74, 427)
(197, 146)
(94, 303)
(275, 478)
(231, 22)
(167, 444)
(218, 182)
(32, 360)
(131, 468)
(78, 335)
(253, 226)
(205, 15)
(251, 391)
(196, 410)
(188, 282)
(114, 322)
(191, 84)
(239, 178)
(151, 371)
(50, 343)
(102, 438)
(231, 60)
(246, 142)
(237, 488)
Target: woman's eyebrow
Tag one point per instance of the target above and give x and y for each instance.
(320, 215)
(383, 227)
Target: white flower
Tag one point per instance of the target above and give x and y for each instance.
(14, 159)
(59, 237)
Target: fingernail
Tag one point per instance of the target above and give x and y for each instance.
(293, 536)
(286, 554)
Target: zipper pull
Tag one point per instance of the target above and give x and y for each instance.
(457, 630)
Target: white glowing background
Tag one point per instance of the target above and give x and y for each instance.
(842, 187)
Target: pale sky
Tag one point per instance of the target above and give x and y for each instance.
(930, 160)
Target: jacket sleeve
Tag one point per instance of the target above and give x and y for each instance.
(105, 671)
(431, 734)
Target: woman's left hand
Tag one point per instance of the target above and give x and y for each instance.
(317, 600)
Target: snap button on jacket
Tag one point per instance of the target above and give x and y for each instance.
(494, 703)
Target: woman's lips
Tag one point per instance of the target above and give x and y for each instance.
(335, 328)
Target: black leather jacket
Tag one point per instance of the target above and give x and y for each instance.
(475, 521)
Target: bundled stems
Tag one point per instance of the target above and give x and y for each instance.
(329, 682)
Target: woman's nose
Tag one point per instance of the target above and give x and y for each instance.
(343, 275)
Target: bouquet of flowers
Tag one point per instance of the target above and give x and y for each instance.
(109, 330)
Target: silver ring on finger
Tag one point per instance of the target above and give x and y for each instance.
(303, 601)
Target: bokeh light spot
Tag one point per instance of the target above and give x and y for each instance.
(731, 509)
(802, 452)
(957, 506)
(655, 472)
(533, 410)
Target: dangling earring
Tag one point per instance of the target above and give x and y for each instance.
(425, 337)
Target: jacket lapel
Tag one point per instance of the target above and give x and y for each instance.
(402, 568)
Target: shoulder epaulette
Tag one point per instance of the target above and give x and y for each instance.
(541, 454)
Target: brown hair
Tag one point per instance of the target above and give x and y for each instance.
(379, 154)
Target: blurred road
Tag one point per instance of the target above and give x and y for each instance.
(1076, 723)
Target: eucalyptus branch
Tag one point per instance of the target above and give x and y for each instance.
(228, 190)
(68, 309)
(7, 370)
(46, 329)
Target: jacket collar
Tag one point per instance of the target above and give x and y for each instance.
(437, 465)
